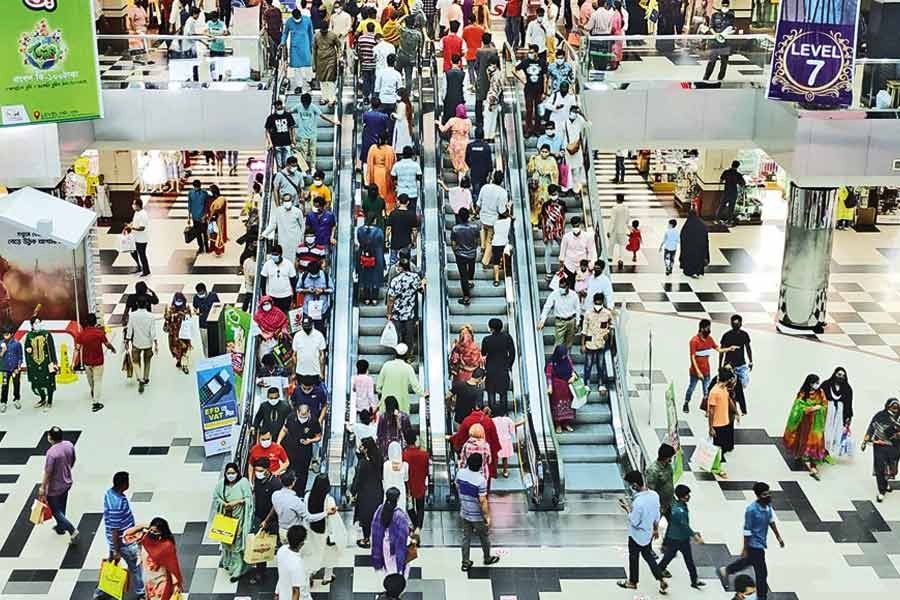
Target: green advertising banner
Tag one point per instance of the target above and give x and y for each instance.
(48, 62)
(672, 438)
(237, 328)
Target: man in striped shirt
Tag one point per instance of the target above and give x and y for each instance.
(365, 51)
(117, 517)
(474, 510)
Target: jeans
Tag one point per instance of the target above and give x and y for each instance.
(742, 372)
(466, 274)
(201, 234)
(131, 554)
(407, 332)
(620, 169)
(692, 384)
(532, 104)
(281, 155)
(714, 55)
(513, 29)
(16, 381)
(756, 558)
(480, 529)
(368, 84)
(726, 208)
(140, 257)
(94, 376)
(58, 505)
(594, 360)
(674, 547)
(669, 259)
(137, 355)
(549, 255)
(634, 551)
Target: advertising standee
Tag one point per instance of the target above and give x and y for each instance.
(218, 403)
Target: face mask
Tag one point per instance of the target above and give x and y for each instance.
(232, 477)
(815, 386)
(554, 197)
(551, 133)
(154, 535)
(261, 474)
(291, 170)
(303, 419)
(532, 56)
(337, 10)
(273, 401)
(765, 501)
(265, 443)
(267, 307)
(318, 181)
(38, 326)
(598, 307)
(573, 117)
(201, 294)
(560, 61)
(276, 260)
(563, 290)
(310, 241)
(279, 111)
(179, 303)
(577, 231)
(750, 596)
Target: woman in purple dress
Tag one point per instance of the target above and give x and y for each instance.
(390, 536)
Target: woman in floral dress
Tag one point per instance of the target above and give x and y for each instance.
(542, 172)
(175, 315)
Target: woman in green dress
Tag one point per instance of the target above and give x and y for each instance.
(373, 206)
(41, 363)
(234, 498)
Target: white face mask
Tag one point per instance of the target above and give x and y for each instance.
(232, 477)
(267, 307)
(560, 61)
(576, 230)
(38, 326)
(550, 132)
(815, 386)
(261, 474)
(265, 443)
(598, 307)
(273, 401)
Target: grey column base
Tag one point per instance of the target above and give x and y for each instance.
(789, 329)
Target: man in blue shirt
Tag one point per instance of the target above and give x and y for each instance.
(321, 221)
(12, 360)
(197, 199)
(315, 285)
(118, 518)
(474, 510)
(758, 518)
(406, 173)
(308, 115)
(643, 528)
(480, 159)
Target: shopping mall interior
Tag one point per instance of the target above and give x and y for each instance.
(144, 159)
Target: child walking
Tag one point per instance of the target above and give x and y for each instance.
(669, 245)
(634, 240)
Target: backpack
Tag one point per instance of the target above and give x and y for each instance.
(851, 200)
(306, 274)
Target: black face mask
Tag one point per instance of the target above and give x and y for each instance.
(765, 501)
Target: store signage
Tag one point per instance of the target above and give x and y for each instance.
(48, 62)
(815, 45)
(896, 165)
(218, 403)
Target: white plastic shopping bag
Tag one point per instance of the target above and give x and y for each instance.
(706, 456)
(389, 335)
(127, 243)
(186, 331)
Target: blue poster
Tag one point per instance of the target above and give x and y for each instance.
(218, 403)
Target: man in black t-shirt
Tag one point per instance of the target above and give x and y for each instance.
(280, 127)
(738, 339)
(733, 181)
(301, 431)
(264, 485)
(532, 73)
(402, 226)
(469, 395)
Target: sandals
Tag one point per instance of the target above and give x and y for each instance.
(466, 565)
(496, 284)
(627, 585)
(363, 544)
(506, 473)
(815, 475)
(569, 428)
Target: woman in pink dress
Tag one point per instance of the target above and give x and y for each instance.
(459, 127)
(618, 28)
(136, 23)
(506, 431)
(560, 373)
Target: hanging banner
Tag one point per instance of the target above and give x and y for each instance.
(815, 45)
(218, 403)
(672, 433)
(48, 62)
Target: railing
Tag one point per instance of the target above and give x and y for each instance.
(248, 393)
(182, 62)
(547, 468)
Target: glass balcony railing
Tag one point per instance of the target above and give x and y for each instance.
(165, 62)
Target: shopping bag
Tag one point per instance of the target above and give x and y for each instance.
(127, 365)
(186, 330)
(113, 579)
(295, 319)
(127, 243)
(580, 392)
(40, 512)
(574, 40)
(260, 548)
(223, 529)
(846, 446)
(314, 309)
(212, 229)
(389, 335)
(190, 234)
(706, 456)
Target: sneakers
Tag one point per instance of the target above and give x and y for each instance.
(2, 408)
(39, 403)
(491, 560)
(96, 406)
(73, 538)
(698, 584)
(17, 404)
(685, 408)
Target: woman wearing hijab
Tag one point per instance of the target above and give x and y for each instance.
(379, 162)
(390, 536)
(218, 215)
(840, 410)
(694, 246)
(459, 127)
(159, 562)
(367, 489)
(395, 471)
(327, 537)
(884, 435)
(465, 356)
(370, 260)
(233, 498)
(271, 320)
(804, 435)
(392, 425)
(560, 373)
(175, 315)
(476, 444)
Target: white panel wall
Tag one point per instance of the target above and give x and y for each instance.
(29, 155)
(208, 119)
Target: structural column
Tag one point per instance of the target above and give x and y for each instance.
(806, 265)
(120, 170)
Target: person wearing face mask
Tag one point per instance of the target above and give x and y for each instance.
(884, 435)
(319, 189)
(492, 200)
(721, 411)
(599, 282)
(744, 588)
(177, 325)
(309, 348)
(575, 247)
(279, 278)
(266, 451)
(118, 519)
(558, 105)
(721, 23)
(271, 414)
(553, 225)
(309, 115)
(740, 341)
(594, 338)
(643, 528)
(40, 363)
(264, 484)
(804, 434)
(297, 36)
(531, 72)
(287, 224)
(289, 182)
(551, 139)
(203, 302)
(159, 559)
(321, 222)
(701, 347)
(298, 435)
(560, 72)
(543, 172)
(572, 131)
(494, 97)
(679, 536)
(758, 519)
(566, 308)
(139, 227)
(293, 579)
(233, 497)
(326, 53)
(280, 127)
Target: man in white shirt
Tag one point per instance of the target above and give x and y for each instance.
(492, 200)
(619, 225)
(140, 339)
(598, 283)
(575, 247)
(382, 50)
(139, 228)
(387, 81)
(309, 350)
(288, 222)
(279, 277)
(293, 581)
(536, 34)
(194, 25)
(566, 309)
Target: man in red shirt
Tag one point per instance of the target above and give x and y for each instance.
(266, 448)
(89, 345)
(471, 35)
(452, 44)
(417, 459)
(480, 416)
(513, 26)
(701, 347)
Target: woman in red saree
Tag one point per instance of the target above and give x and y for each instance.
(465, 356)
(159, 562)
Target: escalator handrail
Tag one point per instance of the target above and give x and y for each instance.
(552, 456)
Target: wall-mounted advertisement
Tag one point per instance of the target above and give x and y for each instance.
(815, 45)
(48, 62)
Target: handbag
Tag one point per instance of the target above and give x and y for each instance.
(127, 243)
(40, 511)
(113, 579)
(260, 547)
(314, 309)
(412, 551)
(366, 259)
(186, 330)
(190, 234)
(295, 319)
(574, 39)
(223, 529)
(580, 392)
(846, 446)
(127, 365)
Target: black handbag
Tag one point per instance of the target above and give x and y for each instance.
(190, 234)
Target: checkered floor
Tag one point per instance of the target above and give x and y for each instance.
(119, 72)
(745, 270)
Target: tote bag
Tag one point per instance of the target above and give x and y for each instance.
(113, 579)
(260, 547)
(580, 392)
(186, 330)
(706, 456)
(223, 529)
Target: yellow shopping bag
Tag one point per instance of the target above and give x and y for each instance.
(113, 579)
(260, 548)
(223, 529)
